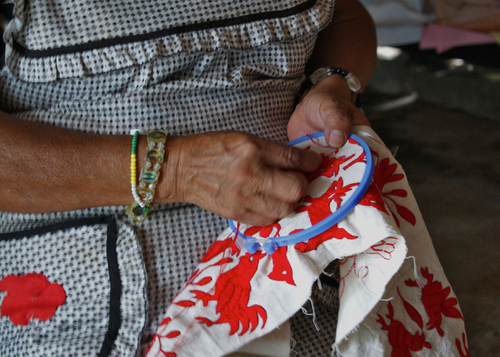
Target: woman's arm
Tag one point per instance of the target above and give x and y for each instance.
(44, 168)
(348, 42)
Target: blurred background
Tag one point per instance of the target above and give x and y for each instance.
(435, 97)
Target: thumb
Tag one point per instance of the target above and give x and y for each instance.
(340, 117)
(336, 120)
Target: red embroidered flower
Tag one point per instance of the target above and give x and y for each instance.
(377, 193)
(30, 296)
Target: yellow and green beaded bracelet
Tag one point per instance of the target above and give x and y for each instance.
(150, 174)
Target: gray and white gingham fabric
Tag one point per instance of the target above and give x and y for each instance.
(183, 66)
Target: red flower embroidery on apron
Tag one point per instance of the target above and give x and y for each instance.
(29, 297)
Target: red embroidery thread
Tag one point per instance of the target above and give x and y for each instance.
(220, 247)
(435, 301)
(166, 354)
(318, 210)
(385, 173)
(282, 269)
(466, 352)
(330, 166)
(29, 297)
(401, 340)
(384, 248)
(360, 272)
(411, 311)
(232, 294)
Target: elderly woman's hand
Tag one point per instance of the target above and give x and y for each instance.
(236, 175)
(327, 107)
(233, 174)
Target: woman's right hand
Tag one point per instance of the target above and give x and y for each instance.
(235, 175)
(44, 168)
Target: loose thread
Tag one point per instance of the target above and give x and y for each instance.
(328, 274)
(415, 272)
(387, 300)
(313, 314)
(316, 143)
(293, 342)
(394, 150)
(332, 274)
(334, 352)
(339, 354)
(375, 266)
(320, 286)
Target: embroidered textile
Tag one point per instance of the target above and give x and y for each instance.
(235, 297)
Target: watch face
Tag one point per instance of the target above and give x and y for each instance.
(333, 191)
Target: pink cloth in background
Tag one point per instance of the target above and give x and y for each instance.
(443, 38)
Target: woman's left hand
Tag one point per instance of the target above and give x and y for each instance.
(327, 107)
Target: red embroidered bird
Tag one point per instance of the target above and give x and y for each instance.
(282, 270)
(264, 232)
(400, 339)
(220, 247)
(232, 294)
(330, 166)
(319, 209)
(435, 301)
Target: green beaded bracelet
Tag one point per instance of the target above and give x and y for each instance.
(148, 178)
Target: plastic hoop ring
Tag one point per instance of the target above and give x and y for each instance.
(271, 244)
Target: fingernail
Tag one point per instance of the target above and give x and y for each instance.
(336, 139)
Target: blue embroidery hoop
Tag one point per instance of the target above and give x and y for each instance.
(270, 245)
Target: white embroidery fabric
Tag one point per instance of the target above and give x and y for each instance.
(234, 297)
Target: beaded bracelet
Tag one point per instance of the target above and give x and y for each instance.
(149, 176)
(133, 168)
(352, 81)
